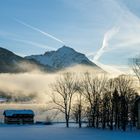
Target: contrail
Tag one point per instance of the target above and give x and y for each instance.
(34, 44)
(108, 35)
(42, 32)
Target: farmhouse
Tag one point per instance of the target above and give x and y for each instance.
(18, 117)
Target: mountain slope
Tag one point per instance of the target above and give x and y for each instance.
(12, 63)
(52, 61)
(62, 58)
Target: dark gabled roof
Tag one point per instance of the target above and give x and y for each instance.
(17, 112)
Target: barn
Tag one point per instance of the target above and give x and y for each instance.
(18, 117)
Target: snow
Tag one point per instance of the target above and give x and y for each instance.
(63, 57)
(2, 100)
(12, 112)
(53, 132)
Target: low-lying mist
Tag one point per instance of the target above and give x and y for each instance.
(32, 90)
(26, 84)
(34, 86)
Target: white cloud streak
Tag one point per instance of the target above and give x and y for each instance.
(40, 31)
(107, 37)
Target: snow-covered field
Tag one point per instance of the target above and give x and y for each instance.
(42, 132)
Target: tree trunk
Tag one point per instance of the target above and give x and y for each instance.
(80, 109)
(67, 120)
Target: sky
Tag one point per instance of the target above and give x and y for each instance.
(107, 31)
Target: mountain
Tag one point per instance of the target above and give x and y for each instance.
(12, 63)
(62, 58)
(51, 61)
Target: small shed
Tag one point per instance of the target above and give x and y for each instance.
(18, 117)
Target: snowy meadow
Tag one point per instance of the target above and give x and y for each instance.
(38, 132)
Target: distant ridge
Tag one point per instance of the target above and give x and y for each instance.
(12, 63)
(50, 61)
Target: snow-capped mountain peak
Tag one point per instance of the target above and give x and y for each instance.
(61, 58)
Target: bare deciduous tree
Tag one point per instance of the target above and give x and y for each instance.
(136, 67)
(77, 113)
(92, 88)
(77, 109)
(127, 95)
(63, 91)
(107, 104)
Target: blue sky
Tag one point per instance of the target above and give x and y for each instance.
(81, 24)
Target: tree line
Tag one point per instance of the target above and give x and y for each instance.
(100, 101)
